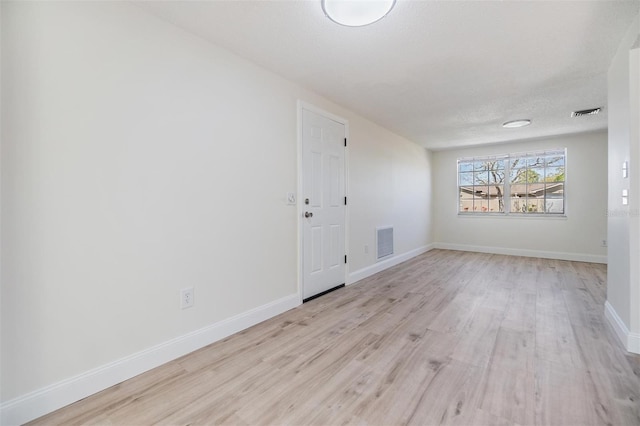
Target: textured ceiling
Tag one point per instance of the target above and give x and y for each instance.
(440, 73)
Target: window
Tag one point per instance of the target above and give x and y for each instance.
(516, 184)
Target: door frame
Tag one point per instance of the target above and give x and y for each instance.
(300, 206)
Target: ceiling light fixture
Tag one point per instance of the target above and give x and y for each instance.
(516, 123)
(356, 13)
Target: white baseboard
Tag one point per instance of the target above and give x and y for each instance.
(40, 402)
(578, 257)
(616, 322)
(385, 264)
(631, 341)
(633, 344)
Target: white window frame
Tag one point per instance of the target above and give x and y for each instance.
(506, 184)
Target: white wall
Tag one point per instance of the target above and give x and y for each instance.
(623, 281)
(138, 159)
(389, 185)
(578, 236)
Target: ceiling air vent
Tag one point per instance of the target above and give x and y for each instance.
(592, 111)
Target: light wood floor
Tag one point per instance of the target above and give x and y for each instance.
(446, 338)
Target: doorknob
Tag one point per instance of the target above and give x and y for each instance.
(308, 214)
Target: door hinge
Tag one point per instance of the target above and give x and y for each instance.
(345, 201)
(345, 258)
(345, 141)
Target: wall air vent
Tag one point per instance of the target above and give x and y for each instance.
(384, 242)
(592, 111)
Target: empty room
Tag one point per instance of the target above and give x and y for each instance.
(320, 212)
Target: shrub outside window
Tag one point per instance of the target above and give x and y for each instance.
(518, 184)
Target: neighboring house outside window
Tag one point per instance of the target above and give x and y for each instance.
(517, 184)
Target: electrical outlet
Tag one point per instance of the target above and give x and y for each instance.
(604, 243)
(366, 249)
(186, 298)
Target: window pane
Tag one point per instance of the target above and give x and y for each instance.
(480, 201)
(555, 205)
(535, 174)
(480, 166)
(480, 205)
(496, 176)
(465, 166)
(555, 161)
(519, 190)
(555, 190)
(496, 191)
(535, 161)
(496, 198)
(519, 175)
(554, 174)
(466, 199)
(527, 205)
(480, 191)
(466, 178)
(466, 190)
(518, 205)
(535, 205)
(481, 178)
(517, 163)
(535, 190)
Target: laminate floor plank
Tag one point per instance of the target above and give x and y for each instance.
(582, 308)
(311, 374)
(449, 396)
(566, 396)
(596, 354)
(448, 337)
(456, 314)
(411, 379)
(365, 387)
(509, 393)
(476, 341)
(623, 395)
(555, 341)
(520, 312)
(551, 302)
(151, 407)
(514, 350)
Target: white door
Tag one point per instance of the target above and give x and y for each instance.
(323, 203)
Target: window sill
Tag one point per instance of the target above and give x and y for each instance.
(515, 216)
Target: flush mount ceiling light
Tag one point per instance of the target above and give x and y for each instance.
(516, 123)
(356, 13)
